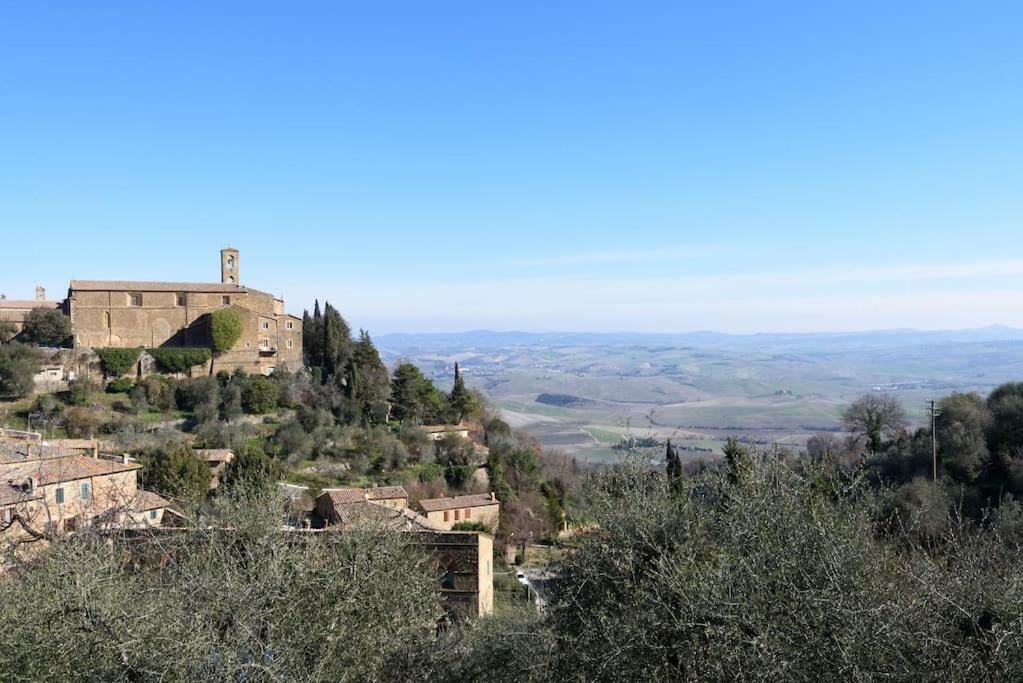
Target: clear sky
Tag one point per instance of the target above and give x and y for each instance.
(426, 166)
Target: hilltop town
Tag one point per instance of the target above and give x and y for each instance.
(134, 409)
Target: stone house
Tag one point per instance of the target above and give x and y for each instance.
(444, 513)
(217, 459)
(331, 503)
(464, 560)
(47, 490)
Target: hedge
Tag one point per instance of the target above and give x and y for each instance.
(179, 359)
(117, 361)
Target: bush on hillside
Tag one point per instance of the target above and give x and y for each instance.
(120, 385)
(260, 396)
(18, 365)
(118, 361)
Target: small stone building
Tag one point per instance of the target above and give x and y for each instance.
(444, 513)
(465, 562)
(332, 504)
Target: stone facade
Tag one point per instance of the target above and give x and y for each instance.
(465, 561)
(113, 313)
(48, 490)
(445, 513)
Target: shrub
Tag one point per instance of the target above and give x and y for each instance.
(120, 385)
(18, 366)
(118, 361)
(80, 422)
(260, 396)
(250, 469)
(7, 331)
(225, 329)
(176, 470)
(179, 359)
(472, 526)
(46, 327)
(80, 392)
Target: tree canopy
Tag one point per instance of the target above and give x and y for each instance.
(46, 327)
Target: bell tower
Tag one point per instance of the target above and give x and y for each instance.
(229, 266)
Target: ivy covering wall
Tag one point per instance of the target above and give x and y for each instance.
(179, 359)
(118, 361)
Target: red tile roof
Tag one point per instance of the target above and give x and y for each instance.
(143, 286)
(57, 470)
(473, 501)
(342, 496)
(28, 304)
(147, 500)
(366, 512)
(11, 495)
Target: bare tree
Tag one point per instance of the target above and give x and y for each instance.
(875, 417)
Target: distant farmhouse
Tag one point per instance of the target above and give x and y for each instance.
(126, 314)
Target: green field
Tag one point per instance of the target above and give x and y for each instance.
(699, 389)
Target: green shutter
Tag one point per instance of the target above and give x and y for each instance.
(60, 496)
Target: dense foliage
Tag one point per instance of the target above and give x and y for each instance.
(175, 470)
(118, 361)
(46, 327)
(179, 359)
(18, 365)
(235, 601)
(225, 329)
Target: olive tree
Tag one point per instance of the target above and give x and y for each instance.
(231, 601)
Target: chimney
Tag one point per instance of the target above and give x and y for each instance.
(493, 496)
(40, 293)
(124, 458)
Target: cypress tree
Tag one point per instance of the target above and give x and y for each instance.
(461, 401)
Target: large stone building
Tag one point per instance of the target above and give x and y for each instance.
(118, 313)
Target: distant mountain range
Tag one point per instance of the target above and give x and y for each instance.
(488, 339)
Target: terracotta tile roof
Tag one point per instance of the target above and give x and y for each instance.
(473, 501)
(214, 454)
(56, 470)
(11, 494)
(342, 496)
(28, 304)
(15, 451)
(143, 286)
(366, 512)
(147, 500)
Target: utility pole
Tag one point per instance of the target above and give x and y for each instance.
(932, 409)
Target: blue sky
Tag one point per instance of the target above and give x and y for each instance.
(671, 166)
